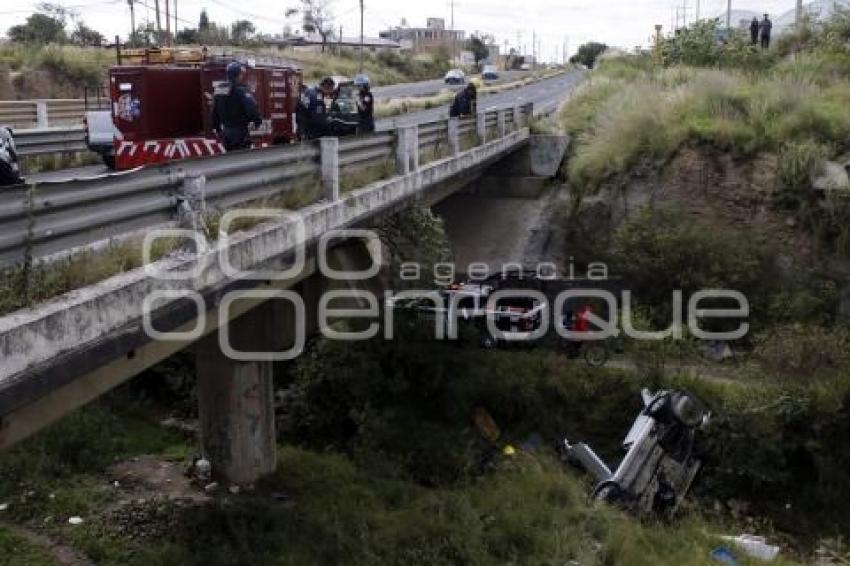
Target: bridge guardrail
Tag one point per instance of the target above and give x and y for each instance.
(44, 113)
(43, 141)
(43, 219)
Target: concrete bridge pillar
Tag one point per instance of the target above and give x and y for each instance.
(407, 149)
(454, 136)
(237, 402)
(329, 148)
(481, 126)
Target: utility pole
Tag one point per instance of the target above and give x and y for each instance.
(534, 49)
(729, 15)
(132, 21)
(339, 45)
(158, 23)
(175, 17)
(684, 13)
(167, 24)
(361, 36)
(799, 16)
(696, 19)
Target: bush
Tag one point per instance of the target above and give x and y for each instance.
(803, 352)
(658, 251)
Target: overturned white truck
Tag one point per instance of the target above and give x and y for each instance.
(661, 461)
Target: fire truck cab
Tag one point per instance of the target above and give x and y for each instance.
(161, 105)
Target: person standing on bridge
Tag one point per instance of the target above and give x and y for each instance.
(766, 28)
(312, 113)
(465, 102)
(365, 104)
(754, 31)
(234, 110)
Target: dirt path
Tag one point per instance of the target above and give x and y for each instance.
(62, 553)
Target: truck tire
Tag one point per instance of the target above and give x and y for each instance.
(109, 161)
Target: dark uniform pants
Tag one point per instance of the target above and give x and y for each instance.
(236, 138)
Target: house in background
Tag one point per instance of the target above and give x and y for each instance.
(430, 38)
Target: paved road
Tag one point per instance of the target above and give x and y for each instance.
(545, 95)
(425, 88)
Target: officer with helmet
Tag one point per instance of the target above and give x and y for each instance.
(312, 112)
(365, 104)
(234, 110)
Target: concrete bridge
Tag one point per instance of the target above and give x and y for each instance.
(70, 350)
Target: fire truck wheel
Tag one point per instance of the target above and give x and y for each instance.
(109, 160)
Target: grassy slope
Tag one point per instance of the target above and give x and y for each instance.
(54, 71)
(359, 508)
(629, 111)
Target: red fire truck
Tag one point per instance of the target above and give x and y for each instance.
(161, 106)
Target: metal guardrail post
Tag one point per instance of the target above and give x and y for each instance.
(329, 148)
(454, 136)
(41, 119)
(481, 126)
(407, 149)
(517, 117)
(502, 123)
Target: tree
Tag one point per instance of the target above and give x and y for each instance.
(317, 19)
(204, 22)
(588, 54)
(187, 36)
(242, 30)
(39, 28)
(479, 49)
(86, 36)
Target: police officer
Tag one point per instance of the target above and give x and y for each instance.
(465, 102)
(234, 109)
(313, 113)
(10, 173)
(365, 104)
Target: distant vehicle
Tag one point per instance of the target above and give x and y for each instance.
(525, 67)
(490, 73)
(455, 77)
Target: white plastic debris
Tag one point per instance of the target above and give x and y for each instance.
(203, 468)
(211, 487)
(755, 546)
(75, 521)
(4, 506)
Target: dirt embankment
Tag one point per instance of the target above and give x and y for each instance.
(725, 193)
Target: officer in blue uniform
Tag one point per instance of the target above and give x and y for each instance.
(234, 109)
(365, 104)
(465, 102)
(313, 120)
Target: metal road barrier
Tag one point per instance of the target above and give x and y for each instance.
(47, 112)
(43, 219)
(44, 141)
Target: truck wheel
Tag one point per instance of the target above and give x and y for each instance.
(488, 342)
(109, 160)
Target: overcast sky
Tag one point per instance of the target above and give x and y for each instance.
(624, 23)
